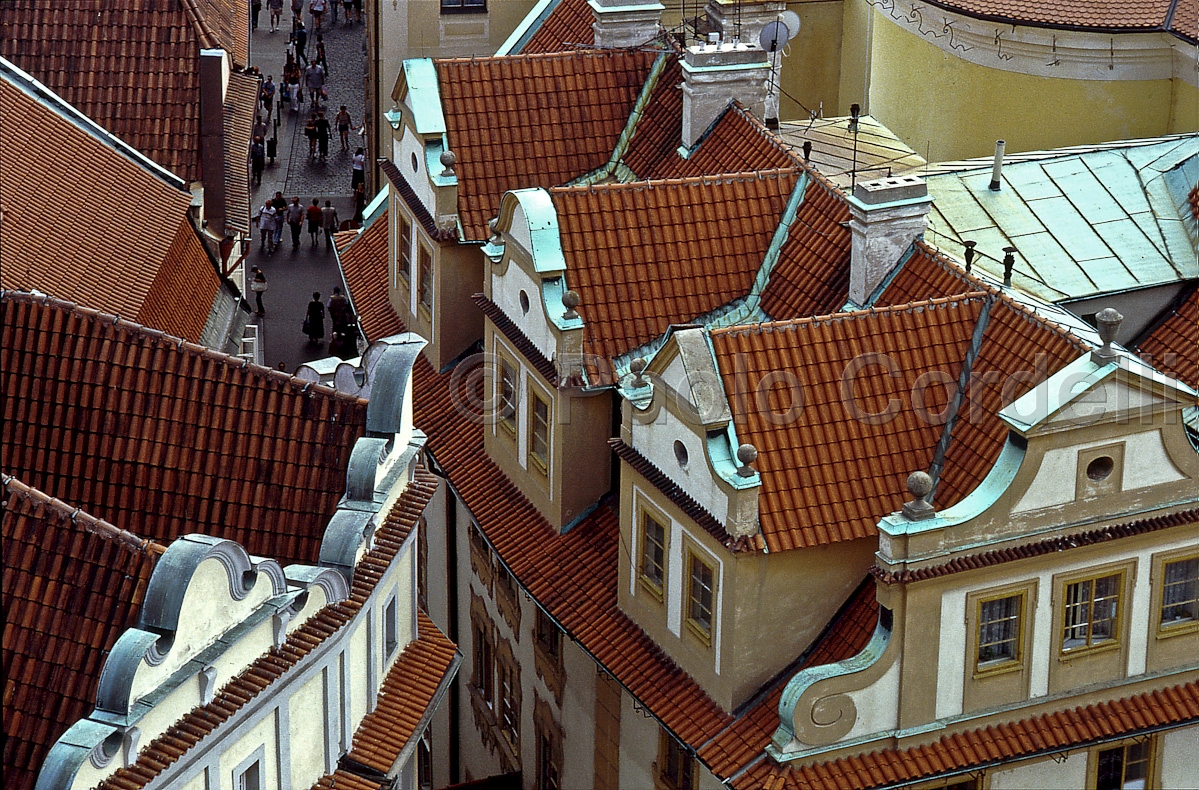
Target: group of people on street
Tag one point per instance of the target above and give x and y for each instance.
(277, 212)
(352, 12)
(345, 325)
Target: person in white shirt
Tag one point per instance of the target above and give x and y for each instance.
(267, 217)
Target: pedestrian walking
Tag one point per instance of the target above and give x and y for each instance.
(314, 319)
(359, 203)
(258, 287)
(279, 203)
(299, 38)
(292, 74)
(320, 53)
(339, 310)
(276, 9)
(295, 220)
(347, 10)
(314, 77)
(268, 95)
(332, 5)
(266, 227)
(257, 159)
(357, 11)
(260, 127)
(322, 135)
(315, 218)
(358, 169)
(310, 133)
(329, 222)
(317, 9)
(255, 10)
(344, 124)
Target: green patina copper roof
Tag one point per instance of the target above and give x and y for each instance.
(1084, 223)
(424, 96)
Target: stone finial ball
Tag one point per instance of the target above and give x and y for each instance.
(448, 158)
(747, 454)
(919, 484)
(1107, 321)
(570, 300)
(638, 365)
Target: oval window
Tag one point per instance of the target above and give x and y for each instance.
(415, 167)
(524, 302)
(680, 453)
(1100, 468)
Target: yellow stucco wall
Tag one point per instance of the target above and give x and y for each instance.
(261, 734)
(812, 60)
(952, 109)
(1184, 111)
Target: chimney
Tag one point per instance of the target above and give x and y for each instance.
(887, 215)
(212, 138)
(716, 73)
(997, 166)
(744, 20)
(621, 23)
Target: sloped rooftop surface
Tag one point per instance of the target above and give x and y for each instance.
(736, 143)
(567, 26)
(72, 584)
(114, 234)
(645, 255)
(873, 152)
(142, 84)
(166, 437)
(1083, 224)
(241, 99)
(1173, 345)
(828, 468)
(1105, 15)
(1053, 731)
(201, 721)
(550, 118)
(364, 266)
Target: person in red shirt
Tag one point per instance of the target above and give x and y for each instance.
(314, 221)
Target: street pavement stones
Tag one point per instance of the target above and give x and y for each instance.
(293, 275)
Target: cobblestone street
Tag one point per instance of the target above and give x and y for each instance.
(293, 275)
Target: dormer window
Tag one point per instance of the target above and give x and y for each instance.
(508, 397)
(539, 433)
(1092, 612)
(404, 265)
(426, 279)
(701, 594)
(653, 555)
(1180, 594)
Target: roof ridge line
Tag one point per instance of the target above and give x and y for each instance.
(180, 344)
(558, 55)
(97, 526)
(966, 297)
(195, 15)
(720, 178)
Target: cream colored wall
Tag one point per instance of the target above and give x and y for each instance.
(1179, 758)
(951, 109)
(1184, 108)
(812, 60)
(638, 745)
(197, 782)
(306, 707)
(261, 734)
(1070, 773)
(357, 659)
(578, 716)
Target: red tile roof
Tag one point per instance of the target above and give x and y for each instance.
(827, 473)
(567, 27)
(1115, 15)
(1046, 733)
(241, 100)
(737, 143)
(344, 780)
(550, 118)
(1173, 346)
(72, 584)
(167, 437)
(643, 256)
(142, 85)
(113, 235)
(404, 697)
(811, 276)
(200, 722)
(1185, 22)
(654, 149)
(364, 266)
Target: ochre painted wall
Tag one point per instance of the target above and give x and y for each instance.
(812, 60)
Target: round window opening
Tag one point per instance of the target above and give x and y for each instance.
(524, 302)
(1100, 468)
(414, 165)
(680, 453)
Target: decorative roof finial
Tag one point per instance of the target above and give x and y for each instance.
(570, 300)
(746, 454)
(1009, 263)
(1107, 321)
(448, 159)
(970, 253)
(638, 365)
(920, 485)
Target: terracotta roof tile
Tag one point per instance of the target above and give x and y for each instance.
(808, 499)
(737, 143)
(168, 437)
(241, 99)
(113, 234)
(142, 85)
(363, 258)
(72, 584)
(567, 27)
(653, 150)
(201, 721)
(1173, 346)
(1086, 14)
(408, 195)
(1048, 732)
(550, 118)
(344, 780)
(811, 276)
(404, 697)
(643, 256)
(1185, 22)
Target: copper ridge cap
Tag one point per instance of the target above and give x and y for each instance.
(179, 343)
(97, 526)
(968, 297)
(570, 54)
(653, 183)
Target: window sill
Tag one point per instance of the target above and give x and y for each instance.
(1069, 654)
(699, 632)
(1177, 628)
(653, 590)
(472, 9)
(997, 668)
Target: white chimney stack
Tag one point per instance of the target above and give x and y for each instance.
(997, 166)
(887, 215)
(621, 23)
(714, 74)
(744, 20)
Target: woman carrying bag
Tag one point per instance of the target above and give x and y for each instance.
(314, 319)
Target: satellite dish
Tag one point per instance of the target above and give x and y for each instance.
(791, 20)
(774, 37)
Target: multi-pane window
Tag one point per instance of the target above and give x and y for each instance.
(251, 778)
(1123, 767)
(539, 433)
(452, 6)
(653, 554)
(426, 278)
(484, 666)
(507, 400)
(999, 631)
(404, 269)
(424, 762)
(390, 627)
(1180, 592)
(699, 597)
(676, 765)
(422, 563)
(548, 770)
(548, 636)
(509, 712)
(1092, 612)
